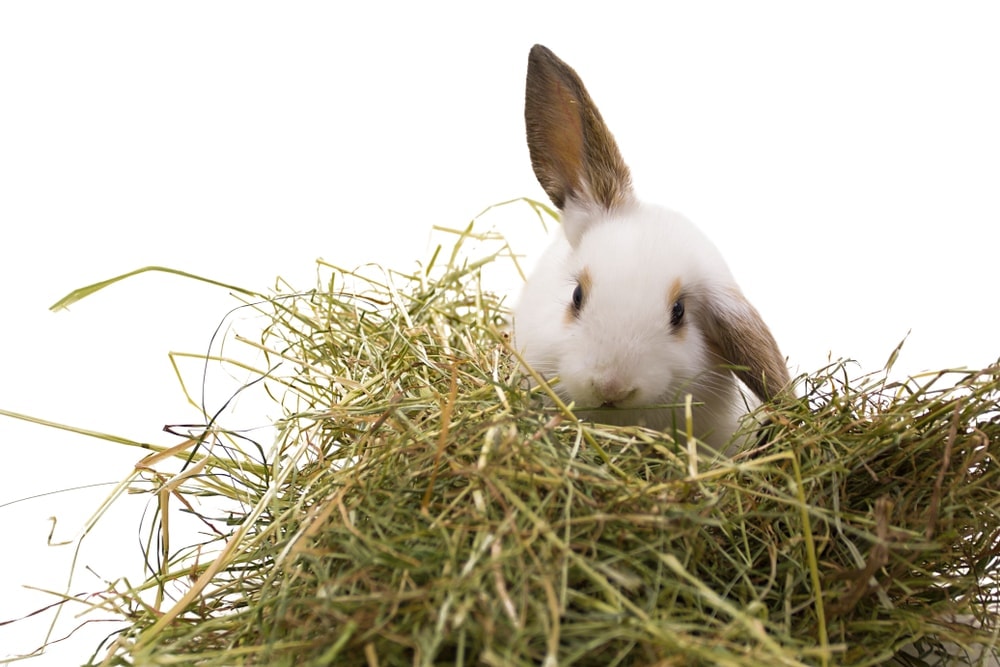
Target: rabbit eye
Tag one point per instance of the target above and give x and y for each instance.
(579, 294)
(577, 298)
(677, 313)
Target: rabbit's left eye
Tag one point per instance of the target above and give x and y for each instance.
(578, 298)
(677, 313)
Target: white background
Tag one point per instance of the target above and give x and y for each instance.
(845, 158)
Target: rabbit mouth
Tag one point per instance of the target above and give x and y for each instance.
(618, 406)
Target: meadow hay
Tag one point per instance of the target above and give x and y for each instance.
(419, 506)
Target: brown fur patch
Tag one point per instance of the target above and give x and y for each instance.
(586, 282)
(674, 293)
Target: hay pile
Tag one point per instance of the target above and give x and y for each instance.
(420, 508)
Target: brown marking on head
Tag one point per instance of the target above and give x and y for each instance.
(573, 153)
(586, 282)
(674, 292)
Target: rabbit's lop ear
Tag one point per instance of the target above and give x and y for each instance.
(738, 334)
(573, 154)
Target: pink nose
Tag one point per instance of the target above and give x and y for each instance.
(612, 390)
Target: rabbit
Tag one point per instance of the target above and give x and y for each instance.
(632, 307)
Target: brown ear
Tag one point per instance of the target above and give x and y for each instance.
(572, 152)
(738, 334)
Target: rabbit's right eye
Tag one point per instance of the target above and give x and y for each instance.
(677, 313)
(577, 298)
(580, 293)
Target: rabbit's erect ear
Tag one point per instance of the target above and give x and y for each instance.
(738, 334)
(572, 152)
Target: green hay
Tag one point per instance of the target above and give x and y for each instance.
(421, 507)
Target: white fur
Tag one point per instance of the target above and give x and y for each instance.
(623, 335)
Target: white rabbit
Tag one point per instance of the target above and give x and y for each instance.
(632, 306)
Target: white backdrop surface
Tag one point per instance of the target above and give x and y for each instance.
(845, 158)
